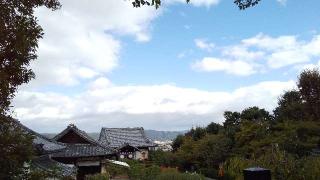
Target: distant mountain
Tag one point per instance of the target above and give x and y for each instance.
(151, 134)
(163, 135)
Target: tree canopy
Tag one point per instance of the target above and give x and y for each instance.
(19, 35)
(287, 141)
(242, 4)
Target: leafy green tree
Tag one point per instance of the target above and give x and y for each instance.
(196, 133)
(252, 139)
(213, 128)
(297, 138)
(19, 35)
(163, 158)
(186, 159)
(255, 114)
(231, 124)
(212, 150)
(177, 142)
(290, 107)
(15, 148)
(309, 88)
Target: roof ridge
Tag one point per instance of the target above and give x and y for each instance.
(78, 131)
(124, 128)
(36, 133)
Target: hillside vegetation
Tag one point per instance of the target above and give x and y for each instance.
(286, 141)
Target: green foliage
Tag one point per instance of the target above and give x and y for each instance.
(139, 171)
(15, 148)
(177, 142)
(309, 88)
(19, 35)
(310, 169)
(212, 150)
(242, 4)
(255, 114)
(115, 170)
(297, 138)
(252, 139)
(290, 107)
(231, 123)
(97, 177)
(214, 128)
(179, 176)
(283, 143)
(35, 173)
(162, 158)
(196, 133)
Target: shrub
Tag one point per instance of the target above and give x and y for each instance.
(97, 177)
(179, 176)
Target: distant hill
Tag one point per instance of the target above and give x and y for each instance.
(163, 135)
(151, 134)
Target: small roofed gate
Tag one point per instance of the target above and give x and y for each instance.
(127, 152)
(88, 169)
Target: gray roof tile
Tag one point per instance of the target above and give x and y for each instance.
(47, 144)
(81, 133)
(83, 150)
(117, 137)
(47, 164)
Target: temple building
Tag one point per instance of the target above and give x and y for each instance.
(77, 154)
(130, 143)
(87, 154)
(44, 147)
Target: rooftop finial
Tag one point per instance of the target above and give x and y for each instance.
(71, 125)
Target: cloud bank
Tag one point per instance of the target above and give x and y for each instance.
(154, 107)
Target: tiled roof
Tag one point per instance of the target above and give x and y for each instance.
(81, 133)
(83, 150)
(117, 137)
(47, 164)
(46, 144)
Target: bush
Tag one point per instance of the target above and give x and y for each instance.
(310, 169)
(178, 176)
(139, 171)
(97, 177)
(209, 172)
(115, 170)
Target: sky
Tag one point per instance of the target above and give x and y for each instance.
(103, 63)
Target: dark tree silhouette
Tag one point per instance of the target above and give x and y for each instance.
(309, 88)
(242, 4)
(19, 35)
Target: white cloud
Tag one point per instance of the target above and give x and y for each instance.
(302, 67)
(78, 43)
(282, 2)
(262, 53)
(269, 43)
(285, 58)
(242, 52)
(204, 44)
(237, 67)
(105, 104)
(285, 50)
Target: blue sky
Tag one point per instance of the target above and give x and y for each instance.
(222, 25)
(104, 63)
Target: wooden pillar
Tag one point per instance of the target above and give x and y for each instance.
(103, 167)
